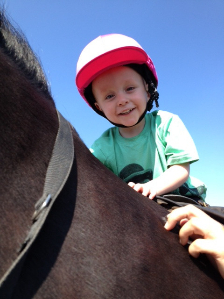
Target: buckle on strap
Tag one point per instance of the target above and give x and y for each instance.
(42, 203)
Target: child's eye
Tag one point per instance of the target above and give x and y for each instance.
(109, 96)
(130, 88)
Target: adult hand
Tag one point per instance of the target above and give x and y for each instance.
(206, 233)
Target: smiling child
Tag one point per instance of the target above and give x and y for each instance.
(152, 152)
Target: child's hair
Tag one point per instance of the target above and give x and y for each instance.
(112, 50)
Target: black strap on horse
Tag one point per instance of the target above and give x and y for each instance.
(57, 173)
(172, 201)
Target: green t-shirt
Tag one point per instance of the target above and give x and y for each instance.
(163, 142)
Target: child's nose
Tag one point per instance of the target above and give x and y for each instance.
(122, 100)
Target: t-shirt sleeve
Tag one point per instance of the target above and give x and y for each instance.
(101, 149)
(179, 145)
(97, 152)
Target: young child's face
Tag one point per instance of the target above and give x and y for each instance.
(121, 94)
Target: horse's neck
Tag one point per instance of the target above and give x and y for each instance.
(28, 126)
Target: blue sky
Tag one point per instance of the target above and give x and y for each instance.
(185, 40)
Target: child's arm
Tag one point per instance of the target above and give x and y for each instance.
(170, 180)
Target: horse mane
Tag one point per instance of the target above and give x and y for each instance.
(15, 46)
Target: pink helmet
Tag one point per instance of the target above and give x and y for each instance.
(108, 51)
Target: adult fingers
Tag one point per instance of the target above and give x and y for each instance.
(175, 216)
(193, 228)
(203, 246)
(205, 227)
(182, 214)
(214, 250)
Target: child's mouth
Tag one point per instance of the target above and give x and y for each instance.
(127, 111)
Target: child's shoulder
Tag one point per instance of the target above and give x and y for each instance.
(106, 138)
(109, 133)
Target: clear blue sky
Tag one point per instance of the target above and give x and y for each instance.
(185, 40)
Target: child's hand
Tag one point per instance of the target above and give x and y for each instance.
(147, 189)
(168, 181)
(207, 234)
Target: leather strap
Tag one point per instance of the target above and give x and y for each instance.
(57, 173)
(171, 201)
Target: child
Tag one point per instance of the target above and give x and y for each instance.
(151, 152)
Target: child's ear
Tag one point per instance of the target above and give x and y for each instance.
(97, 106)
(146, 86)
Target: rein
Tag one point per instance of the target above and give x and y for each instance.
(57, 174)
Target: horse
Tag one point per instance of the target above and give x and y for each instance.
(100, 239)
